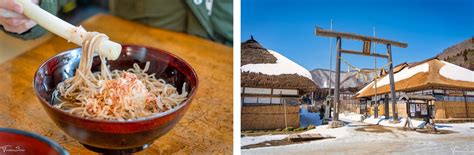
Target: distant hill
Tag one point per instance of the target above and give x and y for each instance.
(348, 79)
(461, 54)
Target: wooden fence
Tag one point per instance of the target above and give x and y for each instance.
(269, 117)
(447, 109)
(401, 109)
(443, 110)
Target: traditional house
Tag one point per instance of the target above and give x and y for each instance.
(447, 88)
(271, 88)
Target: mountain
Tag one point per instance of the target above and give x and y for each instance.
(461, 54)
(348, 79)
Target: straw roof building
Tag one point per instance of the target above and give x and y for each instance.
(271, 88)
(428, 74)
(261, 69)
(451, 85)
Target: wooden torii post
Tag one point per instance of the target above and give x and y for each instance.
(367, 40)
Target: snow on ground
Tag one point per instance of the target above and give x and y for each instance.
(323, 130)
(394, 141)
(258, 139)
(379, 121)
(327, 132)
(283, 65)
(463, 128)
(350, 117)
(404, 74)
(386, 122)
(457, 127)
(307, 118)
(455, 72)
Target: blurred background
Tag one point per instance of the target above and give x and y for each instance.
(78, 10)
(74, 12)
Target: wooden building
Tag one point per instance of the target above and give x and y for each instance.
(270, 96)
(448, 88)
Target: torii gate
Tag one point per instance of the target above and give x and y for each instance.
(365, 52)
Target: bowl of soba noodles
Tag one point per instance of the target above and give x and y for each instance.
(115, 106)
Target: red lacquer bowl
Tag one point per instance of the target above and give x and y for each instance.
(13, 141)
(123, 136)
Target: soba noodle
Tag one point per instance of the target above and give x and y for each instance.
(116, 95)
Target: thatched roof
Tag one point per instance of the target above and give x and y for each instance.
(432, 78)
(260, 69)
(399, 67)
(253, 53)
(283, 81)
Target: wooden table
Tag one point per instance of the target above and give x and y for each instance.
(206, 127)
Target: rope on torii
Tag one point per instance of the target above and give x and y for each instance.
(360, 70)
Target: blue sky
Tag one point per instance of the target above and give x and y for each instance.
(428, 26)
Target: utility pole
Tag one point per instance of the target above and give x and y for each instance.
(375, 98)
(327, 113)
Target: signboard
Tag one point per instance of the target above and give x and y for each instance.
(250, 100)
(285, 92)
(439, 91)
(366, 46)
(258, 90)
(424, 109)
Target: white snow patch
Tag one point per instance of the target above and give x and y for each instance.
(403, 74)
(466, 129)
(331, 132)
(258, 139)
(455, 72)
(386, 122)
(351, 117)
(377, 121)
(283, 65)
(323, 130)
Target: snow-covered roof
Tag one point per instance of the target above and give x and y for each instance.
(283, 65)
(365, 88)
(454, 72)
(403, 74)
